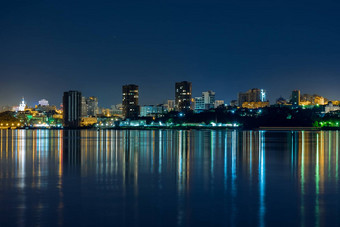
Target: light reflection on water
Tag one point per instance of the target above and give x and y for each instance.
(169, 178)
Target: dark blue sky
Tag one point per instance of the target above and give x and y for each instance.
(47, 47)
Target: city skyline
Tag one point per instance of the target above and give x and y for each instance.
(227, 47)
(271, 100)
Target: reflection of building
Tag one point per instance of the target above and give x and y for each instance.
(295, 98)
(72, 109)
(130, 101)
(253, 95)
(183, 95)
(71, 151)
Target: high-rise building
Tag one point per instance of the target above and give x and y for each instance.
(130, 101)
(83, 107)
(92, 106)
(252, 95)
(183, 95)
(72, 109)
(295, 98)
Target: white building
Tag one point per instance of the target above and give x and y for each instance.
(219, 103)
(43, 102)
(205, 102)
(329, 107)
(22, 105)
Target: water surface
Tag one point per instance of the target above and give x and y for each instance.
(169, 178)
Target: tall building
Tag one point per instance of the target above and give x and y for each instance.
(83, 107)
(130, 101)
(252, 95)
(72, 109)
(92, 106)
(295, 98)
(183, 95)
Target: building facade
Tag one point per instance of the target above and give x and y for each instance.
(153, 110)
(295, 100)
(209, 99)
(171, 105)
(72, 109)
(252, 95)
(199, 104)
(183, 91)
(219, 103)
(92, 106)
(130, 101)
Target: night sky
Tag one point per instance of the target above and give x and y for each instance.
(47, 47)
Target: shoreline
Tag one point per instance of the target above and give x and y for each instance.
(190, 128)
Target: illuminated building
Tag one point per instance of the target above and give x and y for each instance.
(88, 121)
(199, 104)
(219, 103)
(206, 102)
(171, 105)
(72, 109)
(83, 107)
(209, 99)
(117, 110)
(252, 95)
(295, 98)
(330, 107)
(307, 99)
(22, 105)
(130, 101)
(151, 110)
(336, 102)
(43, 102)
(233, 103)
(105, 112)
(183, 96)
(92, 106)
(281, 101)
(254, 105)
